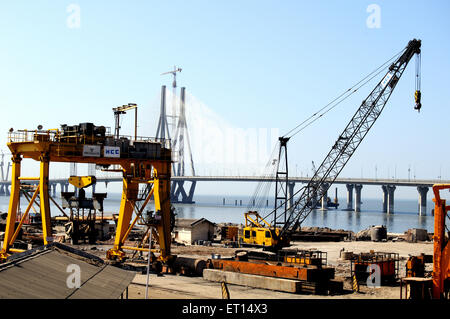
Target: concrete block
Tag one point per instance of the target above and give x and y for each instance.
(255, 281)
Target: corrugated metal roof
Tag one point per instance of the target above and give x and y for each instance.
(189, 222)
(44, 274)
(109, 283)
(184, 222)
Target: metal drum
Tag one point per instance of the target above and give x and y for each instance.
(378, 233)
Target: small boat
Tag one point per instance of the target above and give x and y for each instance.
(330, 203)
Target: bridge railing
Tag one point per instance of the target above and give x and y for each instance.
(54, 135)
(31, 135)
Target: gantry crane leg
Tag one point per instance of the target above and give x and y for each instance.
(10, 231)
(161, 195)
(44, 199)
(12, 209)
(129, 195)
(162, 203)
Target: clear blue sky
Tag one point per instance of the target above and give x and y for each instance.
(257, 64)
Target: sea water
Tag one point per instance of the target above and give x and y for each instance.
(405, 214)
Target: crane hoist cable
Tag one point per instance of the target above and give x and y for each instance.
(264, 185)
(418, 93)
(339, 99)
(259, 187)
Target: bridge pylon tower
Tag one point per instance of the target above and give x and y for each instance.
(5, 175)
(181, 147)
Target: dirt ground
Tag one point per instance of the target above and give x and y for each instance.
(183, 287)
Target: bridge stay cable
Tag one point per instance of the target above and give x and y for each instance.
(263, 186)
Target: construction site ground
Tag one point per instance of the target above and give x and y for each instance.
(170, 286)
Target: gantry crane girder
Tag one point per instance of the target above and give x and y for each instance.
(146, 161)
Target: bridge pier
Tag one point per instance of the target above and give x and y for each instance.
(325, 196)
(358, 188)
(291, 186)
(63, 187)
(423, 190)
(385, 198)
(349, 196)
(390, 205)
(53, 189)
(177, 190)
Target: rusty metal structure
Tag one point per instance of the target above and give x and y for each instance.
(416, 288)
(314, 279)
(386, 263)
(83, 211)
(307, 257)
(441, 253)
(416, 281)
(415, 265)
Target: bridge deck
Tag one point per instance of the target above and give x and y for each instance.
(364, 181)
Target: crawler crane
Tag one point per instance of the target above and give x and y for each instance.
(288, 217)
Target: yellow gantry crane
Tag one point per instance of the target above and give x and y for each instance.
(146, 161)
(259, 232)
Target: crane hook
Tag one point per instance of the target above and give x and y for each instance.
(417, 98)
